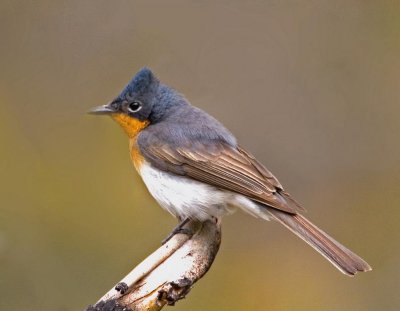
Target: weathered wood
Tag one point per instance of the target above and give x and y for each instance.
(168, 274)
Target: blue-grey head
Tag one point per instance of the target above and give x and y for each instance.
(145, 100)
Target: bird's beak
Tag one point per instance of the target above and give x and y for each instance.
(104, 109)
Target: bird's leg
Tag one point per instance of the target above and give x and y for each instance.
(179, 229)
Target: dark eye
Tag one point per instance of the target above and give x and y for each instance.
(134, 106)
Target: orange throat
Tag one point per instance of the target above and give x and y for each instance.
(132, 128)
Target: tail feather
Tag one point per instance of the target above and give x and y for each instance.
(342, 258)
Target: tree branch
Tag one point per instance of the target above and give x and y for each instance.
(168, 274)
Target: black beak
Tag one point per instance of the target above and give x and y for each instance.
(104, 109)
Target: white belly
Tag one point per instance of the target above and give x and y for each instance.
(184, 197)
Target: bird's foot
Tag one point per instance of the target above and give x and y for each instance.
(179, 229)
(186, 231)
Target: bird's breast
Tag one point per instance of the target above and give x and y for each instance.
(184, 197)
(136, 156)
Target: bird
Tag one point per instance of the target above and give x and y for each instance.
(195, 169)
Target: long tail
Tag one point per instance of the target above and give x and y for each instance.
(341, 257)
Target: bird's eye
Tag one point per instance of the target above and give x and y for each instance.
(134, 106)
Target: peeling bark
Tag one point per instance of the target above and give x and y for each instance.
(168, 274)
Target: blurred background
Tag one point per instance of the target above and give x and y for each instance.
(310, 87)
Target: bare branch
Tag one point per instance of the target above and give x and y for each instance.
(168, 274)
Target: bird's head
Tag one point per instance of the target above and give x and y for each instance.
(142, 102)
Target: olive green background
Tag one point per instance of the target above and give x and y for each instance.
(310, 87)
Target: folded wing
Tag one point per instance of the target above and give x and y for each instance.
(225, 167)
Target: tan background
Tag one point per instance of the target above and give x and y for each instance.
(310, 87)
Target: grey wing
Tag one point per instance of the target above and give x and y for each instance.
(218, 163)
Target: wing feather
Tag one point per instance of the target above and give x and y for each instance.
(223, 166)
